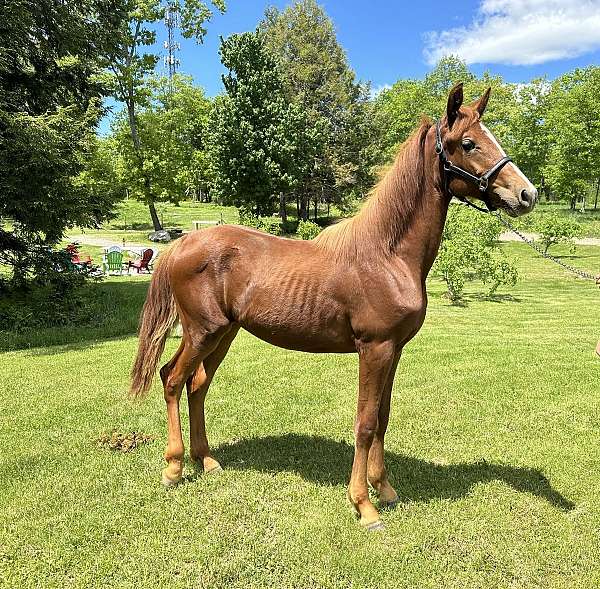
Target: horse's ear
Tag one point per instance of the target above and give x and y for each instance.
(455, 100)
(479, 105)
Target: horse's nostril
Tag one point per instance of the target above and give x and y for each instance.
(528, 197)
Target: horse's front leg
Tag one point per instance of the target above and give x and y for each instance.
(375, 363)
(376, 471)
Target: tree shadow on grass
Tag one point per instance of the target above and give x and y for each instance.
(495, 298)
(328, 462)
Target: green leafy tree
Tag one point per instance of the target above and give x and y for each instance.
(51, 53)
(308, 230)
(318, 78)
(469, 252)
(573, 121)
(260, 144)
(130, 67)
(172, 127)
(528, 139)
(554, 229)
(400, 108)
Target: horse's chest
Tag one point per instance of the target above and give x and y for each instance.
(388, 314)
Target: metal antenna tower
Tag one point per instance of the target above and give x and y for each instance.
(172, 23)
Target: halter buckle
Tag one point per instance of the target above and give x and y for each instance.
(483, 184)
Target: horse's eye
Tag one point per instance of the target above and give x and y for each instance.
(468, 144)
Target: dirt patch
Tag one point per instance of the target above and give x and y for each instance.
(123, 442)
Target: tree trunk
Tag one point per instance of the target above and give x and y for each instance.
(596, 199)
(303, 206)
(573, 202)
(154, 215)
(138, 151)
(282, 208)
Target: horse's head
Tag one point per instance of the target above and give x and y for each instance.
(469, 146)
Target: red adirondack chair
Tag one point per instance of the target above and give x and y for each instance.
(143, 263)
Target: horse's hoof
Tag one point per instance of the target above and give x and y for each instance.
(376, 526)
(214, 470)
(168, 482)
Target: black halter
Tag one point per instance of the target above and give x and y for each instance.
(481, 182)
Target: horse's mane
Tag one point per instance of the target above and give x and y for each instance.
(387, 212)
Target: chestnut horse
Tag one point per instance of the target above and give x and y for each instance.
(358, 287)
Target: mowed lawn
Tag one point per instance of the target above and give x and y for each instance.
(493, 446)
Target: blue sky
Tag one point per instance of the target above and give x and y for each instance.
(388, 40)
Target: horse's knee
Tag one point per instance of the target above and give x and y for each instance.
(364, 432)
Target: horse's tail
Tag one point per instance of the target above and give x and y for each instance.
(158, 317)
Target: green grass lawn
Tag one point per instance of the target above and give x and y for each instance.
(492, 446)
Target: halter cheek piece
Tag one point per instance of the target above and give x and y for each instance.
(450, 169)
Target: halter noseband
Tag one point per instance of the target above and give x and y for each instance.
(481, 182)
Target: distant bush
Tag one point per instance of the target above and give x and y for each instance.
(469, 251)
(270, 225)
(307, 230)
(47, 293)
(555, 229)
(46, 306)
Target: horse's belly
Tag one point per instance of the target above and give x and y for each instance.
(307, 328)
(302, 340)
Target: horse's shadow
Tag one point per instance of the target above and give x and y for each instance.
(328, 462)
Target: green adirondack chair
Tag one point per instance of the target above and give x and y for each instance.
(112, 261)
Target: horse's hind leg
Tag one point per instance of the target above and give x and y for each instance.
(174, 375)
(197, 387)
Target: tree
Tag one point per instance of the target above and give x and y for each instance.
(259, 143)
(399, 110)
(401, 107)
(134, 61)
(573, 122)
(317, 77)
(172, 127)
(555, 229)
(49, 110)
(469, 251)
(528, 140)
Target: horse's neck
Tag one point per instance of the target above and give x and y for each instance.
(419, 246)
(419, 243)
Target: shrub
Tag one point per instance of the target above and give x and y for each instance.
(45, 290)
(555, 229)
(307, 230)
(469, 252)
(270, 225)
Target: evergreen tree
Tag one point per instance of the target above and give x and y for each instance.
(317, 77)
(260, 144)
(49, 109)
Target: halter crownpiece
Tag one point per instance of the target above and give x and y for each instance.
(482, 182)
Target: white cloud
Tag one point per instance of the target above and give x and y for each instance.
(521, 32)
(375, 92)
